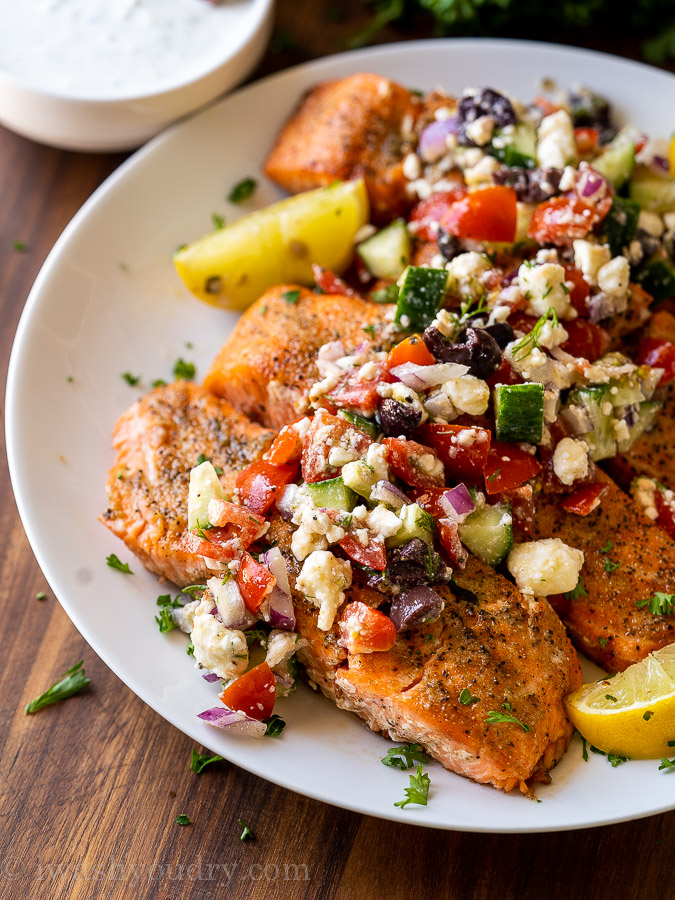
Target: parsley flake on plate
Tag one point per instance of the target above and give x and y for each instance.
(418, 791)
(116, 563)
(184, 371)
(131, 380)
(275, 725)
(404, 757)
(72, 682)
(242, 190)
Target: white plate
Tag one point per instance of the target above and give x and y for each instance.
(91, 319)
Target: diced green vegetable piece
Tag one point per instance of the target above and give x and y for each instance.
(626, 391)
(647, 415)
(519, 412)
(519, 148)
(653, 192)
(359, 476)
(416, 524)
(332, 494)
(657, 277)
(367, 426)
(204, 486)
(616, 163)
(387, 253)
(602, 437)
(420, 296)
(620, 224)
(488, 532)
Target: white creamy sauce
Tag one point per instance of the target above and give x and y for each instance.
(115, 48)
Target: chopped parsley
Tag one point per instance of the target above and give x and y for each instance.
(165, 621)
(609, 697)
(615, 760)
(190, 649)
(667, 763)
(40, 595)
(404, 757)
(466, 698)
(579, 591)
(608, 546)
(193, 589)
(158, 382)
(247, 834)
(202, 459)
(494, 475)
(255, 634)
(218, 221)
(70, 379)
(131, 380)
(291, 296)
(647, 716)
(184, 370)
(72, 682)
(275, 725)
(242, 190)
(115, 563)
(527, 344)
(164, 600)
(496, 718)
(263, 309)
(610, 565)
(19, 246)
(182, 819)
(369, 329)
(199, 761)
(388, 294)
(584, 749)
(659, 604)
(418, 791)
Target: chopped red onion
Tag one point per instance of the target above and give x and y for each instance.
(275, 562)
(214, 612)
(387, 493)
(457, 503)
(432, 144)
(286, 500)
(327, 357)
(237, 722)
(576, 419)
(591, 185)
(210, 677)
(660, 165)
(230, 606)
(421, 377)
(601, 306)
(277, 609)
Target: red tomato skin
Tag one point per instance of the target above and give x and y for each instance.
(505, 374)
(461, 463)
(320, 439)
(286, 448)
(489, 214)
(365, 630)
(660, 354)
(330, 283)
(413, 350)
(584, 499)
(221, 544)
(372, 555)
(261, 483)
(522, 508)
(508, 467)
(431, 210)
(587, 140)
(448, 535)
(666, 513)
(252, 693)
(562, 220)
(402, 455)
(255, 582)
(359, 396)
(586, 339)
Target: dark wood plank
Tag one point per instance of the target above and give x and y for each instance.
(90, 789)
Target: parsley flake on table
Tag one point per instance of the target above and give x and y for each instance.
(131, 380)
(242, 190)
(247, 834)
(19, 246)
(418, 791)
(404, 757)
(182, 819)
(184, 371)
(275, 725)
(40, 595)
(199, 761)
(116, 563)
(72, 682)
(659, 604)
(466, 698)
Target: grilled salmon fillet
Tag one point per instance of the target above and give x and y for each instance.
(627, 559)
(348, 128)
(511, 653)
(267, 366)
(157, 441)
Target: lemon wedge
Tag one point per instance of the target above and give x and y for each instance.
(233, 266)
(632, 713)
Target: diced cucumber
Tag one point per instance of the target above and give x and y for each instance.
(647, 415)
(648, 378)
(332, 494)
(626, 391)
(620, 224)
(367, 426)
(387, 253)
(519, 412)
(488, 532)
(594, 399)
(416, 524)
(518, 148)
(204, 486)
(420, 296)
(616, 162)
(360, 477)
(657, 277)
(653, 192)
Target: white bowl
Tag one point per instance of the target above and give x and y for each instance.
(123, 123)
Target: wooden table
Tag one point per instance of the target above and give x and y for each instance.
(90, 788)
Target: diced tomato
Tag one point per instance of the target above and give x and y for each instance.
(522, 507)
(505, 374)
(325, 433)
(286, 448)
(359, 396)
(222, 512)
(660, 355)
(365, 630)
(584, 499)
(666, 512)
(579, 293)
(235, 528)
(520, 321)
(489, 214)
(586, 339)
(255, 582)
(411, 350)
(373, 555)
(662, 324)
(253, 693)
(448, 535)
(545, 105)
(408, 460)
(587, 140)
(463, 449)
(429, 212)
(330, 283)
(562, 220)
(508, 467)
(261, 483)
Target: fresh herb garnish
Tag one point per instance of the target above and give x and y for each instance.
(202, 528)
(369, 329)
(218, 221)
(495, 718)
(659, 604)
(182, 819)
(609, 697)
(291, 296)
(388, 294)
(199, 761)
(131, 380)
(202, 459)
(19, 246)
(242, 190)
(603, 642)
(255, 634)
(275, 725)
(425, 521)
(615, 760)
(70, 379)
(40, 595)
(247, 834)
(525, 346)
(466, 698)
(115, 563)
(190, 649)
(667, 763)
(579, 591)
(165, 621)
(158, 382)
(610, 565)
(346, 523)
(431, 562)
(193, 589)
(493, 476)
(647, 716)
(418, 792)
(584, 750)
(404, 757)
(608, 546)
(184, 371)
(472, 307)
(72, 682)
(165, 600)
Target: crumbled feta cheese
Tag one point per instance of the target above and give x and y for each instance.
(651, 222)
(544, 287)
(568, 178)
(468, 157)
(634, 253)
(556, 145)
(315, 530)
(184, 616)
(376, 458)
(480, 130)
(430, 465)
(621, 430)
(570, 460)
(222, 650)
(483, 171)
(669, 220)
(614, 277)
(465, 272)
(589, 259)
(412, 168)
(551, 404)
(281, 645)
(539, 367)
(368, 371)
(468, 394)
(545, 567)
(552, 335)
(323, 580)
(383, 522)
(547, 255)
(340, 456)
(446, 322)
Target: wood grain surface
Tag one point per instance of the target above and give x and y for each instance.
(90, 788)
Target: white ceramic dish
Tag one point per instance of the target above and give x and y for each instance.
(63, 119)
(91, 319)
